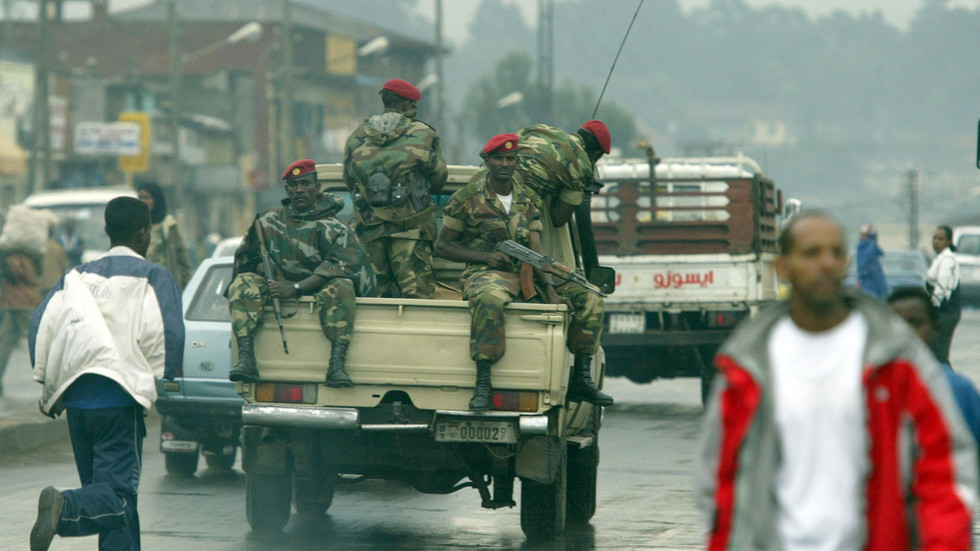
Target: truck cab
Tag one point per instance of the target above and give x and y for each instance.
(407, 417)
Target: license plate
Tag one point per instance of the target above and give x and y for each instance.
(178, 446)
(627, 323)
(471, 430)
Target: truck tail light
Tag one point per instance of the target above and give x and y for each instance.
(514, 400)
(288, 393)
(722, 319)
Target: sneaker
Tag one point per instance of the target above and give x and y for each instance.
(49, 507)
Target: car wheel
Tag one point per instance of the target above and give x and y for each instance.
(314, 495)
(181, 464)
(221, 462)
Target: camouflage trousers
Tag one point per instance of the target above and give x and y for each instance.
(248, 293)
(489, 292)
(403, 267)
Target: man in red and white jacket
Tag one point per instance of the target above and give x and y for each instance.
(830, 425)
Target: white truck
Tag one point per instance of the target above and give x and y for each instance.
(407, 417)
(693, 243)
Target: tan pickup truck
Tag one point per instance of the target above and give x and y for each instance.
(407, 418)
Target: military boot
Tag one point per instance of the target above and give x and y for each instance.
(481, 393)
(580, 385)
(245, 370)
(336, 373)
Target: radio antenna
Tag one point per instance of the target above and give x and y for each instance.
(621, 44)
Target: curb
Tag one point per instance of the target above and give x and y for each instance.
(27, 431)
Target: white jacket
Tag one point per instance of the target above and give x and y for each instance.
(118, 316)
(943, 276)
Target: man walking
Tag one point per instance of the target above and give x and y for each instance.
(392, 163)
(98, 341)
(830, 425)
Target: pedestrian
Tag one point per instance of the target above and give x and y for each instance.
(167, 245)
(392, 165)
(72, 242)
(871, 277)
(496, 206)
(311, 253)
(55, 259)
(559, 166)
(914, 305)
(830, 426)
(99, 340)
(943, 283)
(22, 247)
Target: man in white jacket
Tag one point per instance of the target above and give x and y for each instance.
(97, 342)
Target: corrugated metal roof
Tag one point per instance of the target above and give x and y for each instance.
(264, 11)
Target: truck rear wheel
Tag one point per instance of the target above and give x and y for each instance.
(314, 495)
(543, 505)
(181, 464)
(267, 501)
(583, 468)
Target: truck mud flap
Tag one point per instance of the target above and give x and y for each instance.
(264, 451)
(539, 458)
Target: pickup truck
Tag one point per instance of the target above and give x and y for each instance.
(693, 243)
(407, 417)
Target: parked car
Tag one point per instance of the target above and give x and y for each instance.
(201, 410)
(966, 239)
(902, 267)
(227, 247)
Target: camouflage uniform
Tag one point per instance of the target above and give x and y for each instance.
(168, 249)
(554, 163)
(301, 245)
(482, 222)
(398, 237)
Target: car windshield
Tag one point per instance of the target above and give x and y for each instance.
(209, 302)
(906, 263)
(968, 244)
(89, 224)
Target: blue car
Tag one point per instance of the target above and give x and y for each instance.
(902, 267)
(201, 410)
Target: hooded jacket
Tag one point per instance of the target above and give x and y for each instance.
(119, 317)
(921, 482)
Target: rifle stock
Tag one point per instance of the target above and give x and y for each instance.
(267, 264)
(546, 263)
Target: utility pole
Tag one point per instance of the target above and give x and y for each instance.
(176, 180)
(286, 114)
(41, 150)
(546, 60)
(913, 197)
(440, 106)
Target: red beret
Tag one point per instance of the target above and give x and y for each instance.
(501, 143)
(403, 88)
(299, 168)
(601, 133)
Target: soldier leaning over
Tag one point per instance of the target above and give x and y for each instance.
(392, 163)
(312, 253)
(496, 206)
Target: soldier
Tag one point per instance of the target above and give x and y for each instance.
(312, 253)
(559, 166)
(392, 163)
(495, 206)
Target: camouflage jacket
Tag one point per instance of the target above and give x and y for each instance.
(307, 243)
(408, 152)
(482, 221)
(554, 163)
(168, 249)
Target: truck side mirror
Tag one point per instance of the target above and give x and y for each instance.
(791, 209)
(978, 144)
(604, 278)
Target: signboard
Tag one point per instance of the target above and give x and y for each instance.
(139, 161)
(107, 138)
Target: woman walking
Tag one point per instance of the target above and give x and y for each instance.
(167, 245)
(943, 284)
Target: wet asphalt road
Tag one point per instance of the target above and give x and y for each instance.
(648, 444)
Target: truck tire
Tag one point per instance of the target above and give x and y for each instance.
(583, 468)
(181, 464)
(267, 501)
(543, 505)
(221, 462)
(314, 495)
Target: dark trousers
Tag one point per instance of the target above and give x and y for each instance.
(948, 320)
(108, 446)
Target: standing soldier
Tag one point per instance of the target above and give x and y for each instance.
(559, 166)
(312, 253)
(496, 206)
(392, 163)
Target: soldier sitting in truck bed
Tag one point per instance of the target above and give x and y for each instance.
(313, 253)
(496, 206)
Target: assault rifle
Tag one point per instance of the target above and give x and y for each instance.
(546, 263)
(276, 307)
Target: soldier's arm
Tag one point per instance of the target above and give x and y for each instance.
(438, 172)
(561, 212)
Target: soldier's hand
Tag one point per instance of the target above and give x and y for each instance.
(281, 289)
(555, 298)
(498, 261)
